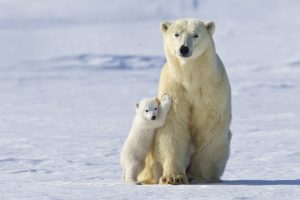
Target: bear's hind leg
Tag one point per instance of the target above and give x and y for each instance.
(209, 160)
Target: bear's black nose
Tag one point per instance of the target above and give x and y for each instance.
(184, 50)
(153, 117)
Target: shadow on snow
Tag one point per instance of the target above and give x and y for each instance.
(261, 182)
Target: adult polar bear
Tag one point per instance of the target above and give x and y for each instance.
(200, 114)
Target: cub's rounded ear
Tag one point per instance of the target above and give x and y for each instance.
(164, 26)
(136, 106)
(158, 101)
(210, 26)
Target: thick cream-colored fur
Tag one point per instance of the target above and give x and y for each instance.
(200, 114)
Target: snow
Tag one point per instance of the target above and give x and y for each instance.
(70, 73)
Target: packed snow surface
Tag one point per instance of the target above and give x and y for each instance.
(70, 72)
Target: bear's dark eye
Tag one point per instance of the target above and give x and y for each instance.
(196, 36)
(147, 110)
(176, 34)
(155, 108)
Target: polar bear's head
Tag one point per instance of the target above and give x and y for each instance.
(147, 108)
(187, 38)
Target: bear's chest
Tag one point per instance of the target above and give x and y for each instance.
(197, 88)
(202, 95)
(192, 83)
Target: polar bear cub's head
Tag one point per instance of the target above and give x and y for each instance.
(147, 108)
(187, 38)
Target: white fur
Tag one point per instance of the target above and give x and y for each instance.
(200, 115)
(137, 145)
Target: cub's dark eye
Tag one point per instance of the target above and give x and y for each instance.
(196, 36)
(155, 108)
(146, 110)
(176, 34)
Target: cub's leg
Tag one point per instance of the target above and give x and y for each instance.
(131, 172)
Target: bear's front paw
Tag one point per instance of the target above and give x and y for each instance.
(172, 180)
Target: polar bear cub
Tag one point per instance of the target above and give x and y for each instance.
(150, 115)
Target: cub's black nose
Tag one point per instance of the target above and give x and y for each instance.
(184, 50)
(153, 117)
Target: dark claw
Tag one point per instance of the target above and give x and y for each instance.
(170, 180)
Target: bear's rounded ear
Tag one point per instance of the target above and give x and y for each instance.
(164, 26)
(210, 26)
(136, 106)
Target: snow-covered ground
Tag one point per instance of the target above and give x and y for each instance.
(70, 72)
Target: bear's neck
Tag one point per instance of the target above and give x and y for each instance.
(203, 68)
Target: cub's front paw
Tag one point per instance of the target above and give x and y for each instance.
(172, 180)
(167, 99)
